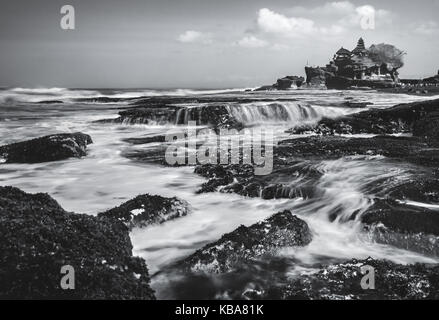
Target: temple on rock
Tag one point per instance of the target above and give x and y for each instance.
(376, 66)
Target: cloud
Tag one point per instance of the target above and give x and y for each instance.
(272, 22)
(252, 42)
(191, 36)
(334, 19)
(328, 9)
(426, 28)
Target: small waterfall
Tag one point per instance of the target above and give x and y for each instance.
(257, 113)
(186, 114)
(273, 112)
(285, 112)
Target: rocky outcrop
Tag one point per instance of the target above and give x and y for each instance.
(414, 150)
(216, 115)
(240, 179)
(289, 82)
(403, 118)
(250, 243)
(316, 76)
(49, 148)
(286, 83)
(38, 237)
(145, 210)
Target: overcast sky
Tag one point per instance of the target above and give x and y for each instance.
(201, 43)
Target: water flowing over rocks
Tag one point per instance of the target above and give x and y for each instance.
(248, 243)
(49, 148)
(145, 210)
(38, 237)
(240, 179)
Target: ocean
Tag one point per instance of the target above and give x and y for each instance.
(106, 177)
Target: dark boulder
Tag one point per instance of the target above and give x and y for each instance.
(145, 210)
(38, 237)
(248, 243)
(49, 148)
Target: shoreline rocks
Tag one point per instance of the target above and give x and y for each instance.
(403, 226)
(402, 118)
(216, 115)
(49, 148)
(38, 237)
(240, 179)
(245, 244)
(342, 281)
(145, 210)
(286, 83)
(413, 150)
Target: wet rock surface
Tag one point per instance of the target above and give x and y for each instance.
(343, 282)
(410, 149)
(146, 115)
(38, 237)
(272, 279)
(145, 210)
(404, 226)
(49, 148)
(248, 243)
(401, 118)
(240, 179)
(423, 188)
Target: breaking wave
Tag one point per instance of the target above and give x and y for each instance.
(35, 95)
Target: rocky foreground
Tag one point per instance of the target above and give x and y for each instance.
(38, 237)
